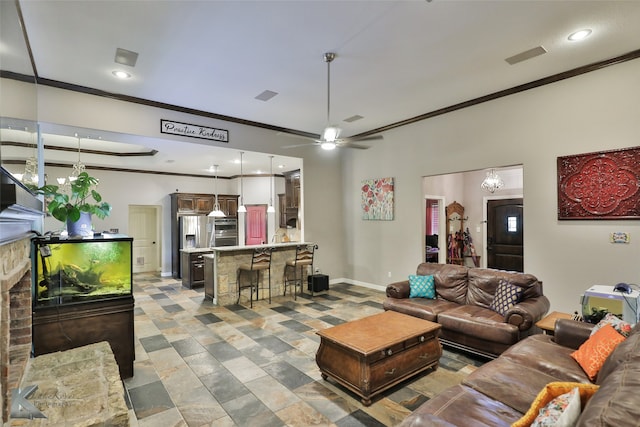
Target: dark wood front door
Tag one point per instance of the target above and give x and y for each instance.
(504, 234)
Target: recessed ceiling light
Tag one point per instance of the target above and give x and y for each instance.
(579, 35)
(121, 74)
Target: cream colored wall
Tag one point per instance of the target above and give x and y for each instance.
(593, 112)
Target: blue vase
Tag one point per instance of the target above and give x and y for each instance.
(82, 227)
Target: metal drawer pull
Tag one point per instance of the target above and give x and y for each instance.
(422, 339)
(391, 372)
(423, 356)
(389, 352)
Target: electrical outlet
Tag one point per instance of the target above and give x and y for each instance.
(389, 274)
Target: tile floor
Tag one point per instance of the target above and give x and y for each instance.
(203, 365)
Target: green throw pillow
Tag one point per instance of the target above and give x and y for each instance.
(422, 287)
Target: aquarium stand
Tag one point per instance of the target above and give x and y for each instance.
(61, 328)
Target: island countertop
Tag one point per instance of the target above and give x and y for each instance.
(221, 267)
(244, 247)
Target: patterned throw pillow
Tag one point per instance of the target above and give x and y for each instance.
(422, 287)
(594, 351)
(507, 295)
(622, 327)
(563, 411)
(550, 392)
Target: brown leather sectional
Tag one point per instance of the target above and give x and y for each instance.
(461, 307)
(502, 390)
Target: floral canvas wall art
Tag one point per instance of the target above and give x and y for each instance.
(377, 199)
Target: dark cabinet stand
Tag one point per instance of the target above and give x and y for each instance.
(64, 327)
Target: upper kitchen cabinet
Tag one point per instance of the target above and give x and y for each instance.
(192, 204)
(292, 188)
(228, 204)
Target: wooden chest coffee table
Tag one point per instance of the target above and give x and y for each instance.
(372, 354)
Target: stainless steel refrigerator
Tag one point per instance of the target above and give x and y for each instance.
(194, 231)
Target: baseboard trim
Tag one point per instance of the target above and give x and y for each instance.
(358, 283)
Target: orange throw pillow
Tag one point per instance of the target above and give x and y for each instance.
(593, 352)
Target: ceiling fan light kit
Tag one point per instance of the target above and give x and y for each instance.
(330, 137)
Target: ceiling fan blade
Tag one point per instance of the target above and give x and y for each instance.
(308, 144)
(364, 138)
(344, 144)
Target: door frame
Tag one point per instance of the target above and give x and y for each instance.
(442, 226)
(485, 201)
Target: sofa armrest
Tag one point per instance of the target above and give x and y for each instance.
(571, 333)
(526, 313)
(399, 290)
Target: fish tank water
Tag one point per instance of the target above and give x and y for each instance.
(71, 271)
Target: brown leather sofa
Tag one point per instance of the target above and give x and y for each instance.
(502, 390)
(461, 307)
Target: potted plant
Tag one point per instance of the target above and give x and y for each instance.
(76, 207)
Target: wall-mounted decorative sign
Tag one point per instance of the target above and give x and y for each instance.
(602, 185)
(194, 131)
(377, 199)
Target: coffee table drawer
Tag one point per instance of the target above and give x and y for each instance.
(401, 364)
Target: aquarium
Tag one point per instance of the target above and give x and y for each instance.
(70, 271)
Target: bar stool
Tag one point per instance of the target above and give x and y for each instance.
(303, 259)
(260, 261)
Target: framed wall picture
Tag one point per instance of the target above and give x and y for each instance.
(377, 199)
(601, 185)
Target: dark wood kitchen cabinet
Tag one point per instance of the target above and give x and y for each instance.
(193, 275)
(228, 204)
(292, 188)
(192, 204)
(282, 210)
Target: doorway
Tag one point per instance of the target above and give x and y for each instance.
(434, 235)
(505, 234)
(256, 225)
(143, 227)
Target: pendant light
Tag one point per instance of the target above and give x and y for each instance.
(241, 208)
(78, 167)
(216, 212)
(271, 209)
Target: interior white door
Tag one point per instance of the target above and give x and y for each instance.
(143, 227)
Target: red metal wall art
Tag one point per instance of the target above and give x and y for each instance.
(602, 185)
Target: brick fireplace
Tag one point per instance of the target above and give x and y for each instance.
(15, 318)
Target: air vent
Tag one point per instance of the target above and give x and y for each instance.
(353, 118)
(266, 95)
(527, 54)
(126, 57)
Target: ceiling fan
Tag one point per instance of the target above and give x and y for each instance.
(329, 139)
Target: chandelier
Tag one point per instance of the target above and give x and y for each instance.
(492, 182)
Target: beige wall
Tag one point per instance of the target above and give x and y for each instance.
(597, 111)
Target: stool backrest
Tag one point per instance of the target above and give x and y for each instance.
(304, 254)
(261, 258)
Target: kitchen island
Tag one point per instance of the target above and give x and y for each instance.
(221, 267)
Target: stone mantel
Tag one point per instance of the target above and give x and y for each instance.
(222, 265)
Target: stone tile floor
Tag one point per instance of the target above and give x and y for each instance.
(202, 365)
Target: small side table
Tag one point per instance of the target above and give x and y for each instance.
(548, 323)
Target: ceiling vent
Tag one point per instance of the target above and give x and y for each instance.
(527, 54)
(266, 95)
(353, 118)
(126, 57)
